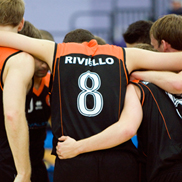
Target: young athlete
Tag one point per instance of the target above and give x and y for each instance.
(82, 35)
(88, 89)
(37, 112)
(16, 72)
(137, 32)
(161, 39)
(159, 134)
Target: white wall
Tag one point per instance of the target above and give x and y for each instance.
(55, 15)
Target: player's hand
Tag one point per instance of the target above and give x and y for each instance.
(67, 147)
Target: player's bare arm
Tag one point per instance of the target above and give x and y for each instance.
(40, 48)
(16, 78)
(169, 81)
(140, 59)
(118, 133)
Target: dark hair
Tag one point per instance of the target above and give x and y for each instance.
(46, 35)
(79, 36)
(138, 32)
(145, 46)
(30, 30)
(100, 40)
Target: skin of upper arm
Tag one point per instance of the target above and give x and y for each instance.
(140, 59)
(17, 76)
(39, 48)
(168, 81)
(132, 105)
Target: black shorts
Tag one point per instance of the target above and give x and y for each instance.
(39, 173)
(174, 176)
(101, 166)
(7, 170)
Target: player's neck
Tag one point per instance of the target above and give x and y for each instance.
(8, 28)
(37, 82)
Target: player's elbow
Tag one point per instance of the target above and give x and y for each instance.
(177, 87)
(129, 133)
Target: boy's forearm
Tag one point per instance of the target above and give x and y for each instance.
(110, 137)
(168, 81)
(18, 137)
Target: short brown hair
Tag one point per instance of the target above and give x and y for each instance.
(30, 30)
(138, 32)
(12, 12)
(46, 35)
(100, 40)
(148, 47)
(79, 36)
(168, 28)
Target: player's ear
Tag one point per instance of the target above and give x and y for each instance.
(164, 45)
(20, 26)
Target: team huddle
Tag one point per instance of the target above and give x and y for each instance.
(97, 97)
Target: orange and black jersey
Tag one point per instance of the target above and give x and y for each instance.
(88, 89)
(37, 114)
(159, 136)
(5, 54)
(38, 105)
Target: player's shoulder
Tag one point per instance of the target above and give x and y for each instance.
(23, 62)
(22, 58)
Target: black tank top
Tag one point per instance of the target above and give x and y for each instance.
(5, 54)
(160, 134)
(88, 89)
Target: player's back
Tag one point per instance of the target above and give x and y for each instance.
(160, 132)
(89, 85)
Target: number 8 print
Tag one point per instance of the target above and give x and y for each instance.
(82, 97)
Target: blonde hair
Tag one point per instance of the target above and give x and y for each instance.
(12, 12)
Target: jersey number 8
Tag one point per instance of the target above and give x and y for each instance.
(93, 91)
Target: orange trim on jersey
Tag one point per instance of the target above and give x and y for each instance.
(6, 53)
(135, 81)
(89, 48)
(53, 73)
(47, 99)
(159, 111)
(45, 81)
(38, 92)
(59, 82)
(143, 94)
(144, 154)
(0, 81)
(123, 61)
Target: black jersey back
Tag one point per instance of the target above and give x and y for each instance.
(90, 85)
(159, 136)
